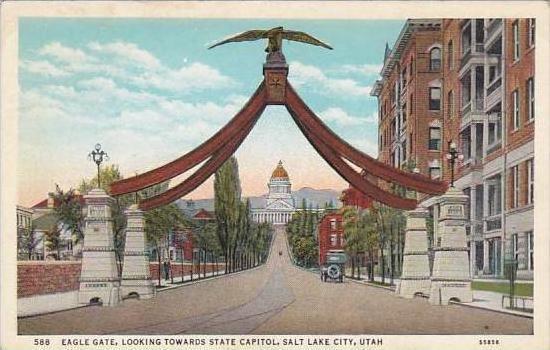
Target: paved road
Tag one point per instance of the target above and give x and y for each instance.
(276, 298)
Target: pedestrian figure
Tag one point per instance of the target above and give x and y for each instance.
(166, 273)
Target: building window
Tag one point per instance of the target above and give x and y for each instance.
(530, 250)
(435, 59)
(450, 55)
(531, 99)
(515, 246)
(435, 172)
(404, 151)
(333, 240)
(404, 77)
(450, 104)
(515, 33)
(494, 192)
(494, 133)
(515, 187)
(435, 98)
(411, 102)
(333, 224)
(530, 181)
(435, 139)
(515, 111)
(404, 115)
(531, 31)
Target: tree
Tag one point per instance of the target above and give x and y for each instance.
(27, 242)
(301, 237)
(227, 204)
(68, 210)
(110, 174)
(159, 222)
(52, 240)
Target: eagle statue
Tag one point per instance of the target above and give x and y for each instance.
(275, 38)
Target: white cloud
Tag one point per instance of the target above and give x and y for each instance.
(365, 69)
(63, 53)
(195, 76)
(339, 116)
(127, 51)
(43, 68)
(366, 145)
(302, 74)
(125, 61)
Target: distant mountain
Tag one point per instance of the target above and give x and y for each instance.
(313, 197)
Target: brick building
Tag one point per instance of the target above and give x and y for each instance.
(330, 235)
(487, 108)
(409, 97)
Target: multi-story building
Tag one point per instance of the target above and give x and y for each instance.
(487, 109)
(409, 97)
(330, 235)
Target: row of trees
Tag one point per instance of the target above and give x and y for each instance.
(370, 234)
(242, 243)
(301, 231)
(373, 233)
(233, 235)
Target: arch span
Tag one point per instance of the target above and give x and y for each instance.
(275, 90)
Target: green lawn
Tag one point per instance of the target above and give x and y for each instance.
(522, 289)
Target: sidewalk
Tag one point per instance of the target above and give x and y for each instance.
(167, 283)
(482, 299)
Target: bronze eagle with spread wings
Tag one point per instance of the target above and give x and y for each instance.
(275, 38)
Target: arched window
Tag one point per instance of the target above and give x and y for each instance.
(435, 58)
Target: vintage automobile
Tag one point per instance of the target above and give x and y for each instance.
(333, 267)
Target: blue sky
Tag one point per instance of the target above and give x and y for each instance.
(148, 90)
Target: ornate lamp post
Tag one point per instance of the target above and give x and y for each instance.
(98, 156)
(452, 156)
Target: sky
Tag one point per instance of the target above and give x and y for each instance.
(149, 90)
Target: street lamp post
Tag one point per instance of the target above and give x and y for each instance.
(452, 156)
(98, 156)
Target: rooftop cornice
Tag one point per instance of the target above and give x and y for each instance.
(411, 25)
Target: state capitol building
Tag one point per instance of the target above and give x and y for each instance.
(279, 204)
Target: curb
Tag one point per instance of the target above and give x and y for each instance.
(493, 310)
(370, 284)
(450, 302)
(188, 283)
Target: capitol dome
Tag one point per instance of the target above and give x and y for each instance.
(279, 172)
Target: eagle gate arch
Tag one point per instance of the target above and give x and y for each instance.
(275, 89)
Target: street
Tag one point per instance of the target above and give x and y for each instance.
(276, 298)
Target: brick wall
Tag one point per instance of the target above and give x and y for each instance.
(518, 72)
(48, 277)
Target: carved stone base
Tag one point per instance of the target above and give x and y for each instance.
(415, 277)
(136, 276)
(99, 280)
(106, 293)
(409, 288)
(451, 270)
(444, 291)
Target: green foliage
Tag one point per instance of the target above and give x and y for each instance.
(109, 174)
(301, 230)
(52, 240)
(27, 241)
(69, 212)
(159, 222)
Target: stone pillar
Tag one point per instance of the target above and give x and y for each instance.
(416, 269)
(486, 267)
(136, 276)
(99, 280)
(451, 272)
